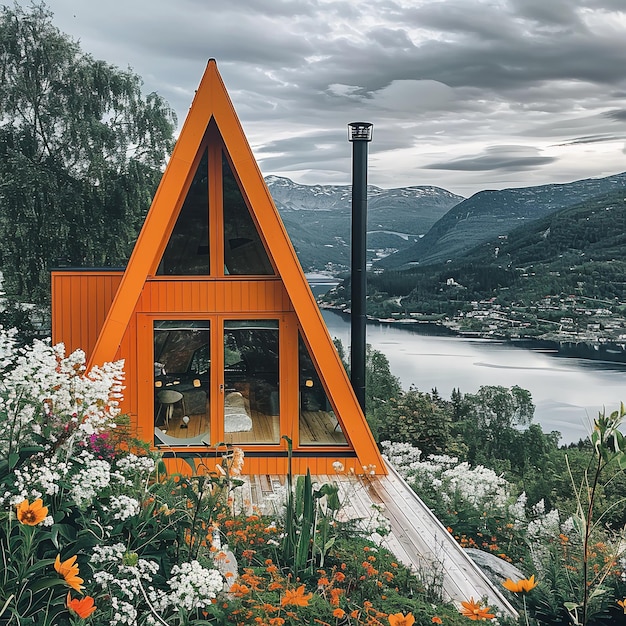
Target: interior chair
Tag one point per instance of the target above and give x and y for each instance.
(167, 399)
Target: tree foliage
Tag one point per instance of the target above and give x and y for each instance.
(81, 151)
(419, 418)
(492, 416)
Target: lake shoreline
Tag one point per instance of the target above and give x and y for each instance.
(568, 349)
(568, 391)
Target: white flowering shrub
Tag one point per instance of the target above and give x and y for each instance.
(453, 482)
(131, 584)
(62, 416)
(192, 587)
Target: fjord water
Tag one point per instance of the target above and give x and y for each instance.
(567, 392)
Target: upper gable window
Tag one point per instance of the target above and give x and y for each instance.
(187, 251)
(244, 252)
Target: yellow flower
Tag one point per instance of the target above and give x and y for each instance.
(622, 603)
(297, 597)
(475, 611)
(69, 570)
(83, 607)
(399, 619)
(524, 585)
(31, 514)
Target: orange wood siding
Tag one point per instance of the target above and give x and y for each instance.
(128, 352)
(255, 465)
(80, 303)
(213, 296)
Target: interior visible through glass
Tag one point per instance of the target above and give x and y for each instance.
(251, 372)
(187, 251)
(182, 391)
(318, 423)
(244, 253)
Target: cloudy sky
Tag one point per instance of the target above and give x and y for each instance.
(463, 94)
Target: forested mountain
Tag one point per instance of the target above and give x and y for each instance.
(489, 214)
(580, 250)
(318, 217)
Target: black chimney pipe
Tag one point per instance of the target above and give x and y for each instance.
(360, 134)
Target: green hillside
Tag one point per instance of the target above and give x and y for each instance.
(580, 251)
(490, 214)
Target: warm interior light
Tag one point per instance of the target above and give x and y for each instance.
(196, 382)
(158, 383)
(185, 423)
(308, 383)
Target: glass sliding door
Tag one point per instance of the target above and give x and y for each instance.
(251, 389)
(182, 373)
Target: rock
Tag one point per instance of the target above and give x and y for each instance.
(495, 568)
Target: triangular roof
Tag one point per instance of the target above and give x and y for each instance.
(212, 102)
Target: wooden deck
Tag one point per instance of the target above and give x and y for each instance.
(416, 537)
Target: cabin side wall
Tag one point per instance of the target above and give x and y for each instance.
(80, 303)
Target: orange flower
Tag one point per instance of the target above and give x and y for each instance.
(239, 590)
(524, 585)
(335, 594)
(296, 597)
(436, 620)
(69, 570)
(83, 607)
(622, 603)
(399, 619)
(338, 613)
(475, 611)
(31, 514)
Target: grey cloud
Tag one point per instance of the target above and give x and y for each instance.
(592, 139)
(508, 158)
(561, 12)
(279, 8)
(432, 76)
(618, 115)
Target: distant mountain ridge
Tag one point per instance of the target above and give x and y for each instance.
(490, 214)
(576, 251)
(318, 218)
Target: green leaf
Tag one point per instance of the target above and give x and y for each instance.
(39, 565)
(191, 462)
(65, 530)
(6, 604)
(45, 583)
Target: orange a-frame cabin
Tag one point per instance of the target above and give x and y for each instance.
(221, 336)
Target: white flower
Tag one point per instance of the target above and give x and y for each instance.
(338, 466)
(122, 507)
(192, 586)
(89, 480)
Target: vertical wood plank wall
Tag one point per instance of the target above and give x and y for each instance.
(80, 303)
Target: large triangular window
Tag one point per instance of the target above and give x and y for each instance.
(187, 251)
(244, 252)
